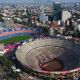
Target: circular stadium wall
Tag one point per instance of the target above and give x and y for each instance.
(49, 56)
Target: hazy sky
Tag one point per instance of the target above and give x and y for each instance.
(35, 1)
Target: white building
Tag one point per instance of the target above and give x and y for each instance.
(79, 27)
(65, 15)
(43, 18)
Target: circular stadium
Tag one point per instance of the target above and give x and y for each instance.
(51, 56)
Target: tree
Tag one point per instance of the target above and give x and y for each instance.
(6, 63)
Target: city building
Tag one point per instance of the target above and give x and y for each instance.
(57, 11)
(2, 25)
(43, 18)
(69, 25)
(9, 22)
(77, 26)
(66, 15)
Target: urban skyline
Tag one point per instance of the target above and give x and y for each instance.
(35, 1)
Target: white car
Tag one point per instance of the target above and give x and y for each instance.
(15, 69)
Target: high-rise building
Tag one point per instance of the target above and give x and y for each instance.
(66, 15)
(43, 17)
(57, 11)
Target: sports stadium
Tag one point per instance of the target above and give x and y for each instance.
(51, 57)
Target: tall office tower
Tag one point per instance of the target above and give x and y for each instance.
(57, 11)
(28, 15)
